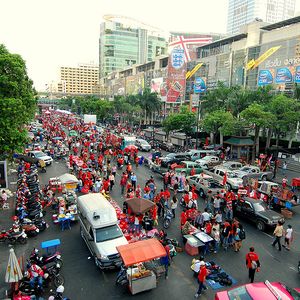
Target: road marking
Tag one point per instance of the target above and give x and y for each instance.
(293, 268)
(270, 236)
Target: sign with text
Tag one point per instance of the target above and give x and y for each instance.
(283, 75)
(297, 74)
(265, 77)
(199, 85)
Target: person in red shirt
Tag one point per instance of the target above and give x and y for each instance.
(193, 171)
(252, 263)
(183, 218)
(201, 279)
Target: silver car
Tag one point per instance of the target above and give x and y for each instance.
(143, 145)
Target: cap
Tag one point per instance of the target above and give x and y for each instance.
(202, 263)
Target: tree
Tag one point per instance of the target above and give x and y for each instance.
(256, 117)
(17, 102)
(184, 121)
(219, 121)
(150, 103)
(287, 113)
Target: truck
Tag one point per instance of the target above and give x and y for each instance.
(100, 231)
(233, 181)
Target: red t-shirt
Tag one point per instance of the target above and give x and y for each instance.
(202, 273)
(251, 256)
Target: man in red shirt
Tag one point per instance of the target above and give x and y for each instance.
(252, 263)
(201, 279)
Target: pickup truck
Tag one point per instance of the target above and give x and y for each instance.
(208, 161)
(233, 181)
(41, 156)
(256, 211)
(185, 167)
(253, 172)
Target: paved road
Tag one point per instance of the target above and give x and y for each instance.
(85, 281)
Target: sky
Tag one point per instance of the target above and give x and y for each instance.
(53, 33)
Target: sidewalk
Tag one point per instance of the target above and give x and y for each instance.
(289, 175)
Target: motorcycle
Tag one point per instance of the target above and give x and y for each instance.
(45, 259)
(51, 273)
(122, 277)
(59, 293)
(30, 229)
(167, 218)
(16, 236)
(3, 236)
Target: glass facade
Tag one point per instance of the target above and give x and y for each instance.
(121, 47)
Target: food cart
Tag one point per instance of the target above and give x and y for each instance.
(134, 255)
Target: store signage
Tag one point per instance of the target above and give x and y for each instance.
(297, 74)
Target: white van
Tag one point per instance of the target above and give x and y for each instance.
(99, 229)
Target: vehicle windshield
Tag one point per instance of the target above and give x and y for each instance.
(245, 169)
(259, 206)
(39, 154)
(108, 233)
(144, 142)
(239, 293)
(170, 155)
(231, 175)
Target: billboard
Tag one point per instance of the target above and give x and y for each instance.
(3, 175)
(284, 75)
(156, 85)
(135, 84)
(199, 85)
(119, 87)
(297, 74)
(265, 77)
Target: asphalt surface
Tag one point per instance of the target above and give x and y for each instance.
(85, 281)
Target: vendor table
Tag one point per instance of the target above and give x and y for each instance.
(203, 237)
(137, 285)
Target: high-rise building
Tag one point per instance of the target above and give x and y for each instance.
(124, 42)
(241, 12)
(79, 80)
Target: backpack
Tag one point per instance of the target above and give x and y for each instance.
(242, 234)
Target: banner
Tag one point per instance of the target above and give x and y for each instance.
(297, 74)
(283, 75)
(135, 84)
(156, 84)
(193, 71)
(265, 77)
(254, 63)
(199, 85)
(176, 76)
(3, 175)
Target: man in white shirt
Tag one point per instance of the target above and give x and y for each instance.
(205, 215)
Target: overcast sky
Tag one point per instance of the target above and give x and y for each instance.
(52, 33)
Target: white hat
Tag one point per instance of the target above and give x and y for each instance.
(202, 263)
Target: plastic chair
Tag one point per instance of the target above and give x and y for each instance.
(65, 224)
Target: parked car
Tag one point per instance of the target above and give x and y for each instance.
(41, 156)
(254, 172)
(198, 154)
(257, 212)
(208, 161)
(259, 290)
(143, 145)
(166, 146)
(205, 183)
(185, 167)
(232, 165)
(172, 158)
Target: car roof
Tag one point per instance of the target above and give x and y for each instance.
(189, 162)
(252, 200)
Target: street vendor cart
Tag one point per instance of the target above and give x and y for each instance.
(134, 255)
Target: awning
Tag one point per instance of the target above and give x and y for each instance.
(141, 251)
(139, 205)
(68, 178)
(239, 141)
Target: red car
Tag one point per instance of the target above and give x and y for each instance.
(258, 291)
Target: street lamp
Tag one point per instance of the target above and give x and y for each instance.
(198, 118)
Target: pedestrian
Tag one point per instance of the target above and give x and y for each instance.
(252, 263)
(278, 233)
(288, 237)
(111, 181)
(174, 203)
(201, 279)
(217, 203)
(166, 260)
(215, 234)
(238, 237)
(284, 167)
(123, 183)
(284, 182)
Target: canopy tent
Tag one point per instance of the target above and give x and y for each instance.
(57, 138)
(13, 271)
(130, 148)
(73, 133)
(63, 112)
(139, 205)
(141, 251)
(68, 178)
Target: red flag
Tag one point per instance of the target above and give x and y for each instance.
(225, 179)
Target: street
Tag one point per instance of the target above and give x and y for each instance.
(84, 281)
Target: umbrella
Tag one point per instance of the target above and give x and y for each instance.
(13, 270)
(73, 133)
(130, 148)
(139, 205)
(68, 178)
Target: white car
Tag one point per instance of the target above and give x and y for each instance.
(143, 145)
(208, 161)
(41, 156)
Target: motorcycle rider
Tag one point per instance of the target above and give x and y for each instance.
(36, 275)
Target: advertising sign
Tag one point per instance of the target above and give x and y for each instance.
(3, 175)
(255, 63)
(135, 84)
(283, 75)
(297, 74)
(265, 77)
(156, 84)
(199, 85)
(177, 58)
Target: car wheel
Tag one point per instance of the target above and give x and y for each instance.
(201, 193)
(228, 187)
(264, 178)
(260, 225)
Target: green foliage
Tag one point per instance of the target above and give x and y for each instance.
(183, 121)
(17, 102)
